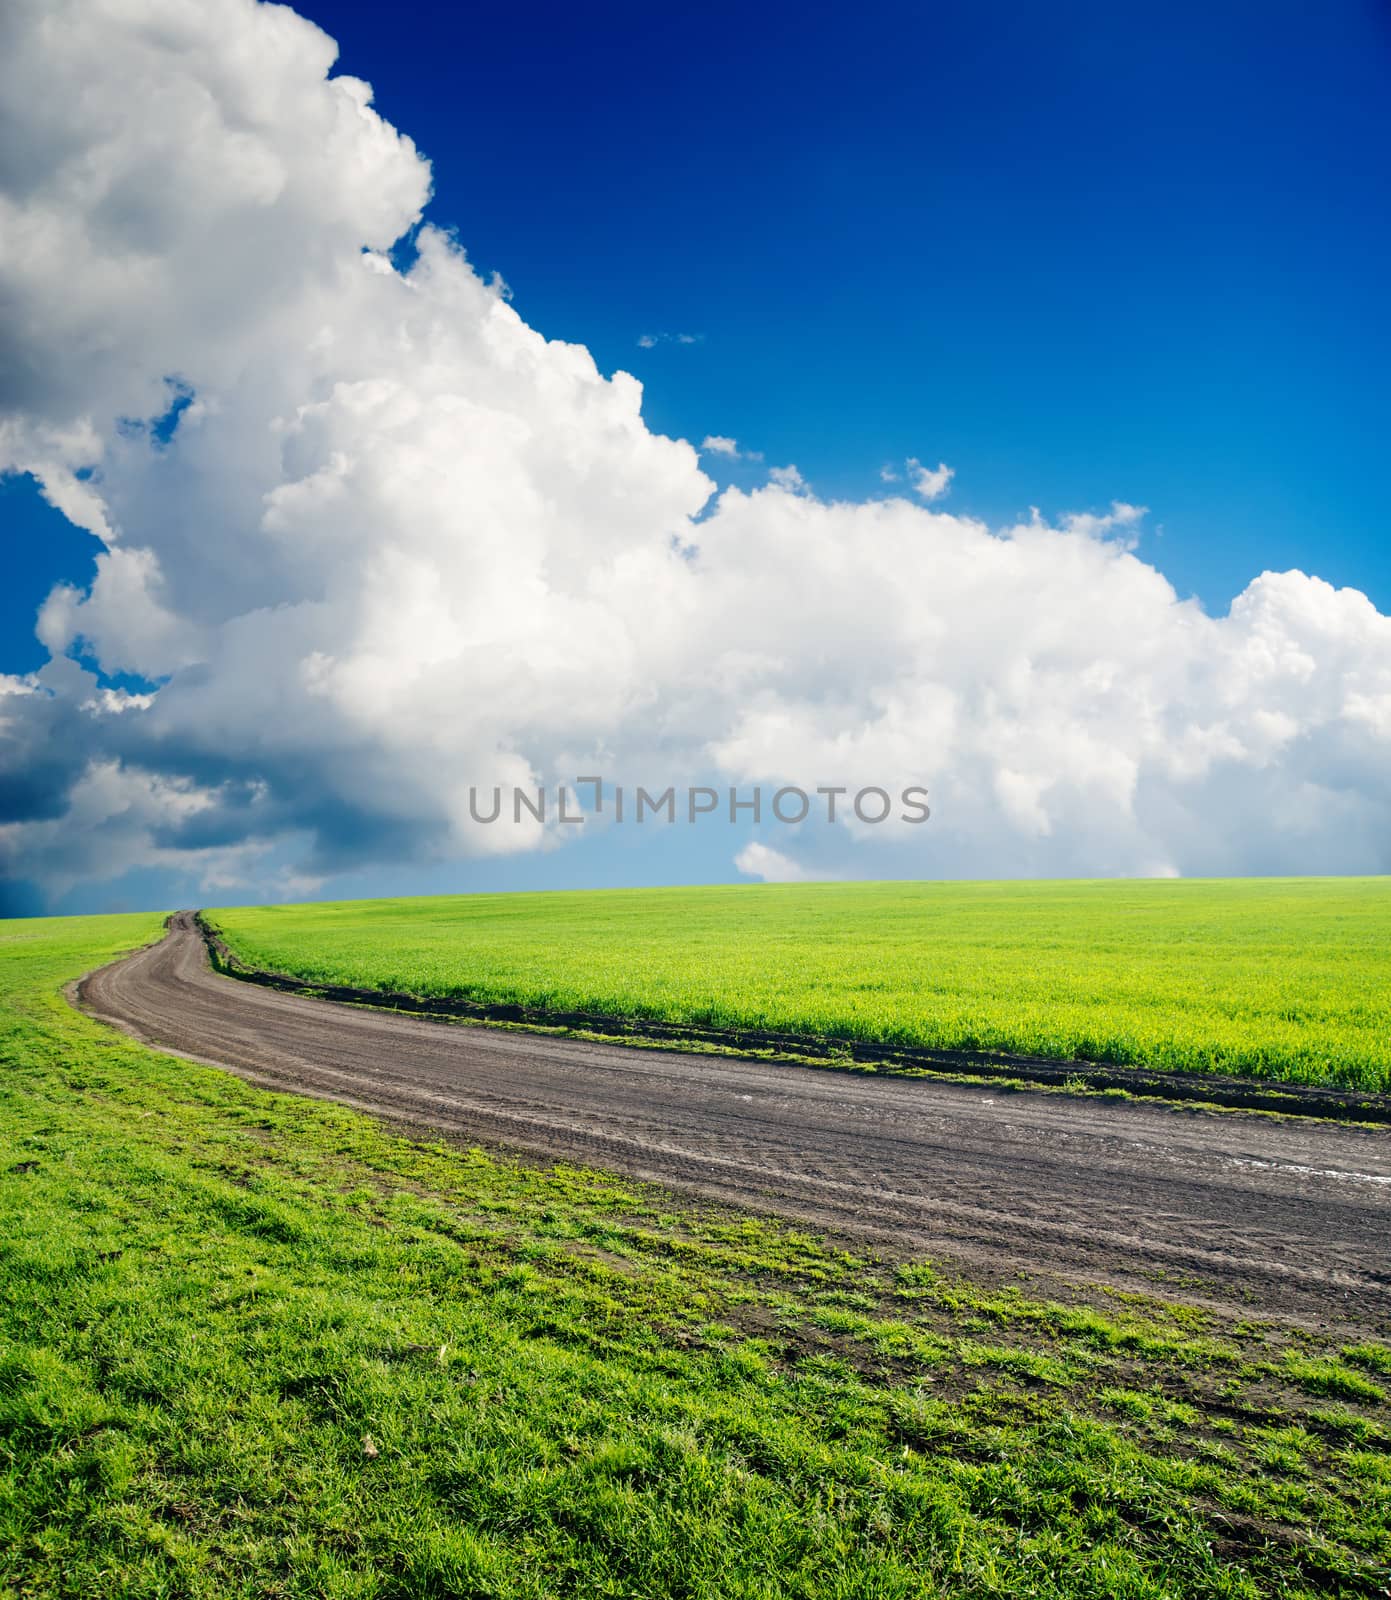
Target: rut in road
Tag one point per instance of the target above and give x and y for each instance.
(1291, 1216)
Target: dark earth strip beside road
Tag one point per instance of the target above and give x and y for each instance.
(1286, 1215)
(1247, 1094)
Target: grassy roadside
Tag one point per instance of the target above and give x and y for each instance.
(257, 1345)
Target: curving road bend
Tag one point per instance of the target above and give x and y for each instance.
(1288, 1216)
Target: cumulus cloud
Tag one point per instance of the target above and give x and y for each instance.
(788, 478)
(758, 860)
(929, 483)
(1121, 521)
(717, 444)
(373, 542)
(650, 341)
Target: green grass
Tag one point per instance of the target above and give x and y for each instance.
(255, 1345)
(1272, 978)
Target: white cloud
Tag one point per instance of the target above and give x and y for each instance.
(400, 545)
(650, 341)
(717, 444)
(757, 860)
(1121, 519)
(931, 483)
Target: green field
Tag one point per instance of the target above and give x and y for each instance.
(1273, 978)
(258, 1346)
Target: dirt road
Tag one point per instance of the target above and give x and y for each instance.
(1290, 1216)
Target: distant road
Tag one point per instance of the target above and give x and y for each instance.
(1290, 1216)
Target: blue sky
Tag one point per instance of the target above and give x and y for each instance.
(1080, 252)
